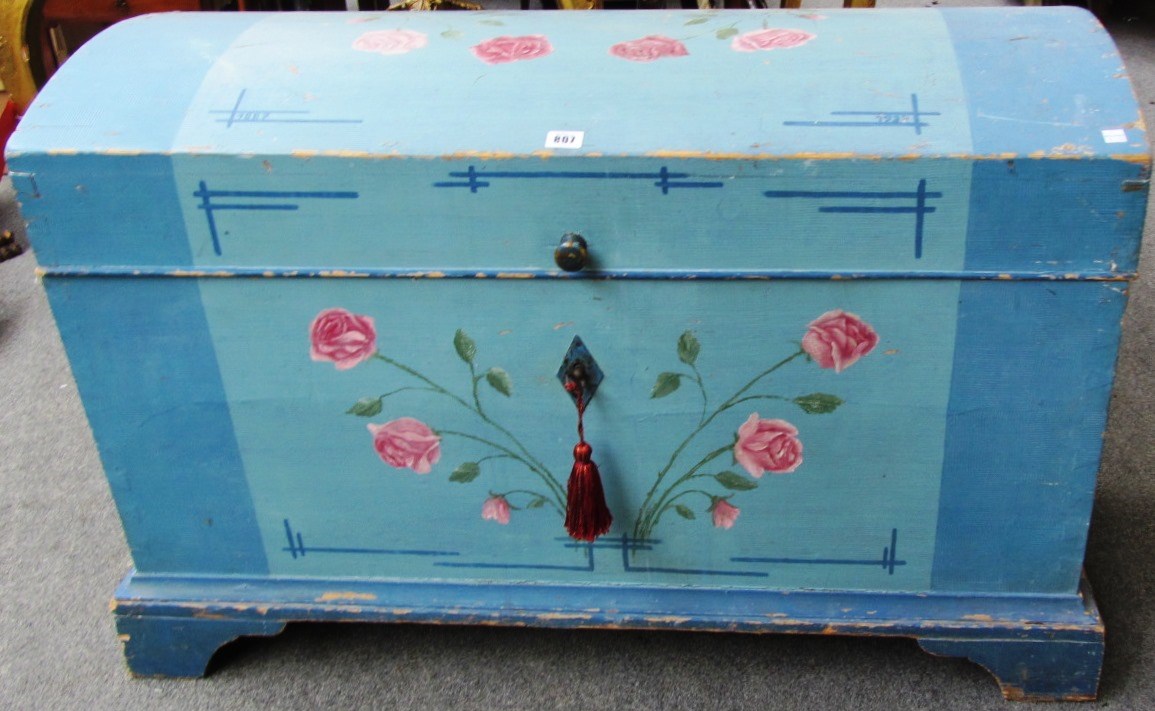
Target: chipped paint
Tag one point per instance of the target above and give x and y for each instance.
(346, 595)
(562, 616)
(197, 273)
(342, 274)
(669, 619)
(515, 275)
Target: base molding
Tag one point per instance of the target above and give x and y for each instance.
(1038, 647)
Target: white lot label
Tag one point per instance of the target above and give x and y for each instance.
(1114, 135)
(568, 139)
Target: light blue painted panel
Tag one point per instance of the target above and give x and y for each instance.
(275, 90)
(869, 467)
(637, 214)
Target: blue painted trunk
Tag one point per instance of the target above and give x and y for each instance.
(854, 284)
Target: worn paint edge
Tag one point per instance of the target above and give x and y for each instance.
(1060, 153)
(600, 275)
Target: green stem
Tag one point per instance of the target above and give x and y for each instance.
(536, 495)
(655, 513)
(544, 475)
(537, 467)
(748, 398)
(670, 505)
(476, 380)
(733, 400)
(401, 390)
(702, 388)
(494, 456)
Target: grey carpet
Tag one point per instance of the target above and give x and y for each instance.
(62, 554)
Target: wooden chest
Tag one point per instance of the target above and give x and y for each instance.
(850, 295)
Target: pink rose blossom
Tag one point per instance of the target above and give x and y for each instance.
(767, 446)
(342, 338)
(407, 443)
(724, 514)
(769, 39)
(837, 339)
(496, 508)
(500, 50)
(390, 41)
(647, 49)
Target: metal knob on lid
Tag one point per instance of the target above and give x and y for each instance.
(572, 254)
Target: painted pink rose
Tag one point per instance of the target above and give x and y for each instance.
(407, 443)
(390, 41)
(837, 339)
(342, 338)
(767, 446)
(501, 50)
(769, 39)
(496, 508)
(648, 49)
(724, 514)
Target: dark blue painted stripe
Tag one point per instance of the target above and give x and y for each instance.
(516, 566)
(909, 195)
(895, 210)
(215, 208)
(603, 274)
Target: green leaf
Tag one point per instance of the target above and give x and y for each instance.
(818, 403)
(735, 482)
(365, 407)
(536, 503)
(465, 472)
(465, 346)
(452, 34)
(726, 32)
(688, 348)
(499, 380)
(685, 512)
(667, 383)
(698, 21)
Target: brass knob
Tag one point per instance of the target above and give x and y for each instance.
(572, 255)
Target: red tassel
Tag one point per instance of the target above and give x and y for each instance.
(586, 513)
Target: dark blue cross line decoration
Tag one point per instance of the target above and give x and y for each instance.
(888, 562)
(629, 545)
(625, 545)
(237, 115)
(588, 566)
(297, 548)
(207, 196)
(663, 179)
(919, 208)
(877, 119)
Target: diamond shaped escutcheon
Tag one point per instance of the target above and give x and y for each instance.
(579, 364)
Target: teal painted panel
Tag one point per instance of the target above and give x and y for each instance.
(868, 478)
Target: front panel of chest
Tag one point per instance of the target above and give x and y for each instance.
(423, 423)
(791, 434)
